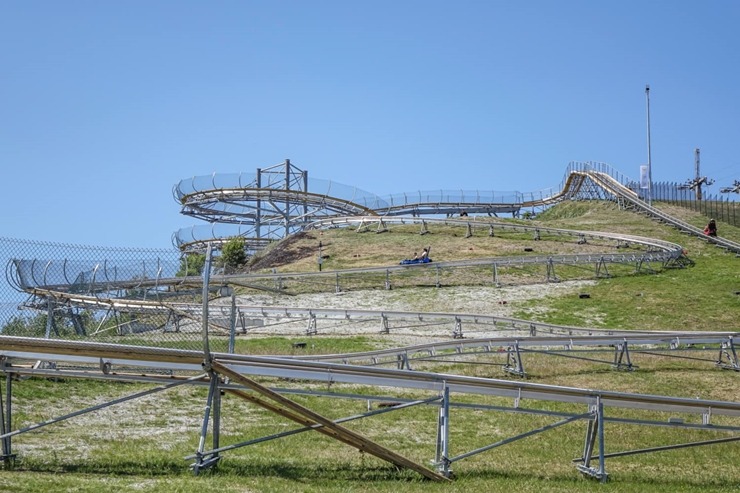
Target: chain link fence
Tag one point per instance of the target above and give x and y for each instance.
(114, 295)
(724, 209)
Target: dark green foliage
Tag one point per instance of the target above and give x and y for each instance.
(35, 326)
(191, 264)
(233, 253)
(25, 326)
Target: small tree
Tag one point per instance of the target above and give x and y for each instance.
(191, 264)
(234, 254)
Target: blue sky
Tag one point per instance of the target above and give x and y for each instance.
(105, 106)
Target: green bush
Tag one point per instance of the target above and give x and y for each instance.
(234, 254)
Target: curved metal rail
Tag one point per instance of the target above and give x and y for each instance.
(79, 351)
(531, 334)
(599, 406)
(26, 275)
(244, 206)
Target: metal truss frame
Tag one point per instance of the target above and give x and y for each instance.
(235, 369)
(278, 199)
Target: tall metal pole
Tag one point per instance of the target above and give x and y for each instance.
(287, 202)
(649, 163)
(204, 321)
(258, 210)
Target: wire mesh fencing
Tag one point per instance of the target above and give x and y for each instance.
(114, 295)
(725, 209)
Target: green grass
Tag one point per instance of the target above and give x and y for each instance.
(701, 297)
(140, 445)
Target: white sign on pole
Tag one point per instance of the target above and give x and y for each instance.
(644, 179)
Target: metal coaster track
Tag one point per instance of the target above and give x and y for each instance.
(598, 405)
(104, 287)
(284, 206)
(62, 276)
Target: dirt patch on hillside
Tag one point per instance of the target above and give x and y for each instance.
(286, 252)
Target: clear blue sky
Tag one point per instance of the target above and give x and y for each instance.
(105, 105)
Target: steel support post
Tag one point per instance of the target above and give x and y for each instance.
(602, 462)
(258, 206)
(311, 329)
(594, 435)
(588, 445)
(514, 360)
(443, 435)
(232, 323)
(50, 318)
(438, 283)
(622, 356)
(469, 232)
(424, 229)
(205, 461)
(304, 175)
(5, 419)
(490, 231)
(337, 287)
(384, 327)
(204, 318)
(727, 350)
(601, 266)
(287, 202)
(388, 280)
(457, 333)
(216, 419)
(495, 276)
(551, 276)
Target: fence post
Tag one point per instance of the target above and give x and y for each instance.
(734, 210)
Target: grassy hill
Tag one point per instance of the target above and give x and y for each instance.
(702, 297)
(139, 446)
